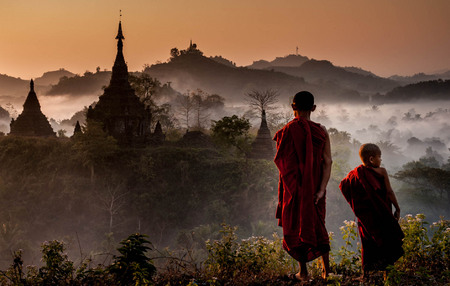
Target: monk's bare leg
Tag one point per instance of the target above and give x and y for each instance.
(325, 265)
(303, 274)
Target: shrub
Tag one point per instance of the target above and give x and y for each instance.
(249, 261)
(132, 266)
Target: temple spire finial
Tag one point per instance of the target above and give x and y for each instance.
(119, 32)
(31, 85)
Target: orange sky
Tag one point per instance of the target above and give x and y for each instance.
(385, 36)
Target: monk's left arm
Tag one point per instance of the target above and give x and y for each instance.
(326, 168)
(391, 194)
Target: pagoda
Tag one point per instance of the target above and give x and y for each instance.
(120, 111)
(31, 122)
(263, 146)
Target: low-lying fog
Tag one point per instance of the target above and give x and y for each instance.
(408, 128)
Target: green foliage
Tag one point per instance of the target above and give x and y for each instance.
(349, 254)
(145, 87)
(426, 259)
(232, 132)
(431, 179)
(132, 266)
(341, 153)
(57, 268)
(233, 261)
(252, 260)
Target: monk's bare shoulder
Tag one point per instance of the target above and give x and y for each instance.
(324, 129)
(381, 171)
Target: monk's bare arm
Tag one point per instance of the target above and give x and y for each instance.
(390, 193)
(326, 167)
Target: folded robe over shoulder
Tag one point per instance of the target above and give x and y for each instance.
(381, 235)
(299, 159)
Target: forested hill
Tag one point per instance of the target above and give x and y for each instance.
(426, 90)
(89, 83)
(53, 77)
(191, 71)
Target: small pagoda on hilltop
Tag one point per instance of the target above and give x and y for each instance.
(120, 111)
(31, 122)
(263, 147)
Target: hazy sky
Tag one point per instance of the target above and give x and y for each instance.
(386, 37)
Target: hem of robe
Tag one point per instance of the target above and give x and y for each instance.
(306, 252)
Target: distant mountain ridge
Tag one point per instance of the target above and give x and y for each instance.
(287, 61)
(17, 87)
(421, 77)
(190, 71)
(52, 77)
(318, 72)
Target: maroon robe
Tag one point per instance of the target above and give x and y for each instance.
(299, 159)
(381, 235)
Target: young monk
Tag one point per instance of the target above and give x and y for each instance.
(304, 161)
(368, 191)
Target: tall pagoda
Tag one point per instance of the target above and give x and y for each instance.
(263, 146)
(31, 122)
(120, 111)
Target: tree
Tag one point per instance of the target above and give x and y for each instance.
(145, 87)
(199, 107)
(197, 103)
(262, 100)
(112, 200)
(61, 133)
(232, 131)
(427, 178)
(214, 101)
(174, 53)
(185, 106)
(132, 266)
(163, 113)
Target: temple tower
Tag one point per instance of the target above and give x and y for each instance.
(123, 115)
(263, 146)
(31, 122)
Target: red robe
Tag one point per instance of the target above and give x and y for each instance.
(299, 159)
(381, 235)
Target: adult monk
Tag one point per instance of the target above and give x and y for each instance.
(304, 162)
(368, 191)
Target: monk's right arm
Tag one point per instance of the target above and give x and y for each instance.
(326, 168)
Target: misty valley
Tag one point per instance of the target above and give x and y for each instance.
(75, 206)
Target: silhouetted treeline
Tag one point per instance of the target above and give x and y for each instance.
(426, 90)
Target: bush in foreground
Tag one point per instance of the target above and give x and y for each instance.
(252, 261)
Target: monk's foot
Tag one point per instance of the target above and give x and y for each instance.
(325, 273)
(299, 277)
(358, 279)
